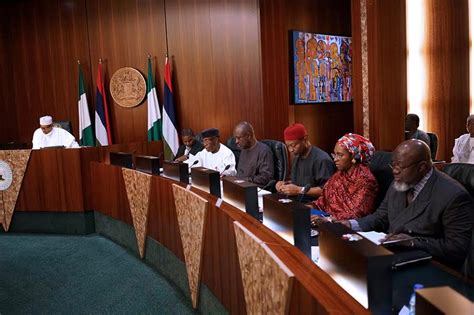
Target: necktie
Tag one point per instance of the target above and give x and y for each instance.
(410, 196)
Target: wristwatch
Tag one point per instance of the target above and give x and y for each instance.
(303, 190)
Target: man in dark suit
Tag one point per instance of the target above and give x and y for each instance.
(190, 145)
(424, 207)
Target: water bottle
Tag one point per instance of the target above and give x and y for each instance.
(413, 298)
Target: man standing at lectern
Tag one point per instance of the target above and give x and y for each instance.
(48, 136)
(215, 155)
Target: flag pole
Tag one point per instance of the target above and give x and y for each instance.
(166, 29)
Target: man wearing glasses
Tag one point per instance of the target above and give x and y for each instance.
(423, 208)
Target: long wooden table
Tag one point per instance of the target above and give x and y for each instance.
(313, 292)
(60, 180)
(78, 180)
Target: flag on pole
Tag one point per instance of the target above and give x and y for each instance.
(102, 125)
(154, 115)
(170, 133)
(86, 136)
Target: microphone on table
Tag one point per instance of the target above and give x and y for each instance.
(306, 188)
(225, 169)
(270, 184)
(194, 163)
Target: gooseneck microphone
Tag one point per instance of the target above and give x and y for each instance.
(303, 193)
(225, 169)
(269, 185)
(194, 163)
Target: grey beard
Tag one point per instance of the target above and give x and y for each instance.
(401, 186)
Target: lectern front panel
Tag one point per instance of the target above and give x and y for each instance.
(207, 180)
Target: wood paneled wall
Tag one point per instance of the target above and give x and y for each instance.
(213, 45)
(215, 50)
(386, 76)
(8, 128)
(46, 39)
(447, 64)
(325, 122)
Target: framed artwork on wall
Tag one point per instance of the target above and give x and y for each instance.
(321, 68)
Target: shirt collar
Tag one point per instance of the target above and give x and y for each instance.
(419, 186)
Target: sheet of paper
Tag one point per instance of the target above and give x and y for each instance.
(373, 236)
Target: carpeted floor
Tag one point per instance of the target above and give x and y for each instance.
(52, 274)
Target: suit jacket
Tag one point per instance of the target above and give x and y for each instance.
(197, 146)
(441, 218)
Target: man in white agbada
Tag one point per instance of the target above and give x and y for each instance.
(215, 155)
(48, 136)
(463, 150)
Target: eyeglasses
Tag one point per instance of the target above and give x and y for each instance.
(337, 156)
(401, 168)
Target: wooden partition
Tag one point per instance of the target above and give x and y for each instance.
(60, 179)
(313, 292)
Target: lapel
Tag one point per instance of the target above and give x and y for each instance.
(418, 206)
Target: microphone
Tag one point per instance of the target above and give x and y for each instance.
(268, 186)
(306, 188)
(194, 163)
(225, 169)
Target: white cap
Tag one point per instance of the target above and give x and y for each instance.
(46, 120)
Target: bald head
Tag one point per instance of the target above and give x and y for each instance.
(414, 150)
(244, 135)
(411, 162)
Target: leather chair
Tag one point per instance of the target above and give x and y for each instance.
(464, 173)
(64, 124)
(235, 149)
(433, 144)
(379, 166)
(280, 158)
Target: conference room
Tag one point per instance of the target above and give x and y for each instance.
(98, 216)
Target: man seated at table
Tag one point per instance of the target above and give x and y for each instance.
(463, 151)
(424, 207)
(412, 122)
(189, 147)
(48, 136)
(216, 156)
(311, 166)
(256, 158)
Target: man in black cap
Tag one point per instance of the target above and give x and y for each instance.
(215, 155)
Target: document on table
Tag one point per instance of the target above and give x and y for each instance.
(374, 237)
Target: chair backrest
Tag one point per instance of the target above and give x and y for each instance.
(280, 158)
(64, 124)
(235, 149)
(463, 173)
(433, 144)
(380, 167)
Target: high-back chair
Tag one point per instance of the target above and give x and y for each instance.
(464, 173)
(380, 167)
(235, 149)
(64, 124)
(280, 158)
(433, 144)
